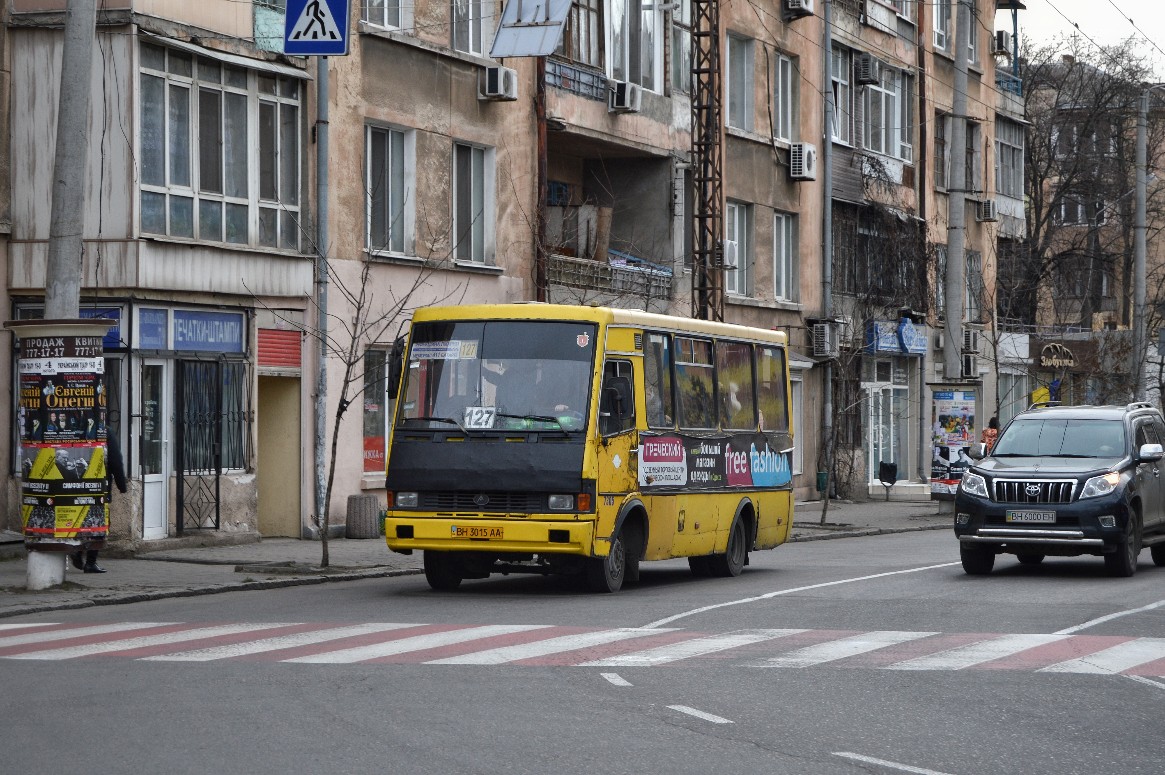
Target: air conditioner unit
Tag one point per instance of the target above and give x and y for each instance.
(869, 69)
(624, 97)
(825, 340)
(1003, 42)
(499, 83)
(970, 366)
(799, 7)
(970, 340)
(731, 254)
(986, 210)
(803, 161)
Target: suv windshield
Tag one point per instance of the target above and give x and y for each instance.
(499, 375)
(1037, 437)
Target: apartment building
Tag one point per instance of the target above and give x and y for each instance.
(455, 177)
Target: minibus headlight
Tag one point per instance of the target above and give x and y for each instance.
(562, 503)
(406, 500)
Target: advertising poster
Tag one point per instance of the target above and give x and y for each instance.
(62, 410)
(675, 460)
(953, 433)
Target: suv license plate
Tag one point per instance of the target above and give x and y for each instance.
(1031, 516)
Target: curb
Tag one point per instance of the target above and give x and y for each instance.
(323, 576)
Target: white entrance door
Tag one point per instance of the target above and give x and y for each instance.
(154, 448)
(888, 428)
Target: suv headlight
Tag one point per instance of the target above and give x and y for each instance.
(973, 484)
(1100, 485)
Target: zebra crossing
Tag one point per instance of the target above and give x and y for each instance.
(339, 643)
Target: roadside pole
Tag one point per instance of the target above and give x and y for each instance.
(59, 353)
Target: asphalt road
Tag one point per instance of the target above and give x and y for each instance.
(863, 655)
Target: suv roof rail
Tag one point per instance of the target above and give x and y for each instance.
(1043, 404)
(1139, 405)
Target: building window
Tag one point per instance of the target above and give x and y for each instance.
(681, 48)
(739, 87)
(468, 25)
(1009, 158)
(220, 155)
(841, 65)
(973, 275)
(942, 23)
(905, 128)
(974, 170)
(971, 38)
(388, 182)
(784, 97)
(797, 384)
(473, 203)
(1014, 395)
(784, 262)
(635, 42)
(580, 37)
(391, 14)
(375, 410)
(737, 247)
(942, 157)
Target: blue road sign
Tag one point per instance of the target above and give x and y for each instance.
(316, 28)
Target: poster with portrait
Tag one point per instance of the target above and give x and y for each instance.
(952, 434)
(61, 417)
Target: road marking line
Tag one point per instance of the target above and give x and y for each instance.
(690, 648)
(27, 624)
(976, 653)
(144, 641)
(884, 763)
(1113, 660)
(616, 679)
(700, 714)
(1148, 681)
(778, 593)
(541, 648)
(414, 643)
(274, 644)
(845, 647)
(1110, 617)
(77, 632)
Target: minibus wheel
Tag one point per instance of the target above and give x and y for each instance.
(442, 570)
(732, 562)
(605, 574)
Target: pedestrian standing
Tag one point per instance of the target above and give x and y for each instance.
(990, 434)
(86, 559)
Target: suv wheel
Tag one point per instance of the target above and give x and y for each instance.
(1123, 562)
(977, 560)
(1158, 552)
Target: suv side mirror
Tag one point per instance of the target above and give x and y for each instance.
(977, 451)
(1149, 453)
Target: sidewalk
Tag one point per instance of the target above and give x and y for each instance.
(281, 562)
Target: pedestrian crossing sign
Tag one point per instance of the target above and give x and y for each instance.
(316, 28)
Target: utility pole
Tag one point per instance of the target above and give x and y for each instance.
(954, 281)
(67, 221)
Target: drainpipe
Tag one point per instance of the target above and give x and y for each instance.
(321, 404)
(827, 235)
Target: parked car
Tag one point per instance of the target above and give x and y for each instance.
(1067, 481)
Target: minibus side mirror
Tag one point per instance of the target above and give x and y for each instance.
(395, 366)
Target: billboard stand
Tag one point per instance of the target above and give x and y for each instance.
(64, 492)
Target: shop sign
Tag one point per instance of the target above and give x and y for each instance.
(220, 332)
(900, 338)
(1056, 356)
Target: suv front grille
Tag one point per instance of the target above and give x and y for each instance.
(1034, 490)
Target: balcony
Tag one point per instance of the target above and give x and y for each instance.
(621, 274)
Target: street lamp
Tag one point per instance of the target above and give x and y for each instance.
(1138, 359)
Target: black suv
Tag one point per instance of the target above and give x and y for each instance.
(1066, 481)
